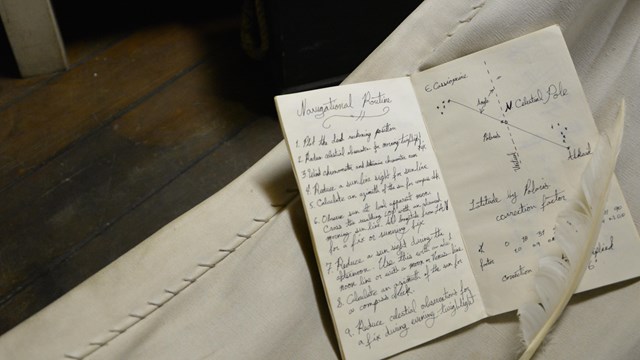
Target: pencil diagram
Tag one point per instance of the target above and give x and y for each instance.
(491, 107)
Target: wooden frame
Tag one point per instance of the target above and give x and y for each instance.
(34, 36)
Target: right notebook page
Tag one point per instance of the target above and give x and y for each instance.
(512, 131)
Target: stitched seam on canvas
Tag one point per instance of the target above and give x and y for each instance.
(475, 10)
(134, 318)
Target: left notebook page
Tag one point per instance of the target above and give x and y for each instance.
(388, 246)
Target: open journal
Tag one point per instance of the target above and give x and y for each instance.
(430, 198)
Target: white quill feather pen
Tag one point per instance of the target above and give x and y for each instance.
(577, 230)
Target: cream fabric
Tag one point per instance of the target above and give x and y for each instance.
(235, 277)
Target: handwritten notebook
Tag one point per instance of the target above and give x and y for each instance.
(430, 198)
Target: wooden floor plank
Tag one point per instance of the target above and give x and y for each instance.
(94, 160)
(82, 191)
(90, 96)
(13, 88)
(221, 164)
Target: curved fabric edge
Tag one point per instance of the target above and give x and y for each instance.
(115, 298)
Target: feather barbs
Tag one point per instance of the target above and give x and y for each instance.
(577, 230)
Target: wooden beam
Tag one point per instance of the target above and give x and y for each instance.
(34, 36)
